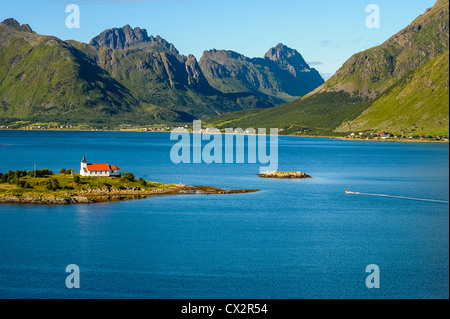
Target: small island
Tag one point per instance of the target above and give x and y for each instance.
(44, 187)
(284, 175)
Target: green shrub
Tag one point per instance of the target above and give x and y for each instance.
(53, 185)
(12, 180)
(129, 176)
(20, 173)
(43, 172)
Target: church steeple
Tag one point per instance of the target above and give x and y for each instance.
(83, 166)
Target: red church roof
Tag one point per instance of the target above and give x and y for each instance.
(101, 167)
(98, 167)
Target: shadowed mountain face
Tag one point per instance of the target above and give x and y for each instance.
(282, 74)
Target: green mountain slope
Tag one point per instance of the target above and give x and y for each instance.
(419, 104)
(126, 76)
(363, 79)
(123, 76)
(371, 72)
(169, 80)
(319, 114)
(45, 79)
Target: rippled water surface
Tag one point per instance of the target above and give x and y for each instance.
(293, 239)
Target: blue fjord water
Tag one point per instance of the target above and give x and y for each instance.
(293, 239)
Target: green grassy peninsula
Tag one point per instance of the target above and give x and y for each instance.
(66, 187)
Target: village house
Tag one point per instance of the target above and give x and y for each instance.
(98, 170)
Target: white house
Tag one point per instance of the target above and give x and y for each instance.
(98, 170)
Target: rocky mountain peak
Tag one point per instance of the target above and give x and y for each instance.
(289, 58)
(13, 23)
(121, 38)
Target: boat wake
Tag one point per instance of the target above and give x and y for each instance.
(401, 197)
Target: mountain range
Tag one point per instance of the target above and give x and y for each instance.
(126, 76)
(400, 86)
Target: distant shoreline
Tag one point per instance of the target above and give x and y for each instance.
(223, 133)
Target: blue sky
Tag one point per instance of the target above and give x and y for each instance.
(325, 32)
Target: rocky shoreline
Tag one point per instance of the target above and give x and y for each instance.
(109, 195)
(284, 175)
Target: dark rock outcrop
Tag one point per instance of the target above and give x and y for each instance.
(13, 23)
(125, 37)
(289, 59)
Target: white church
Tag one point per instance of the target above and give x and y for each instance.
(98, 170)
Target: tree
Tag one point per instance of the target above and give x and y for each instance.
(55, 184)
(44, 172)
(63, 171)
(20, 173)
(76, 179)
(129, 176)
(11, 180)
